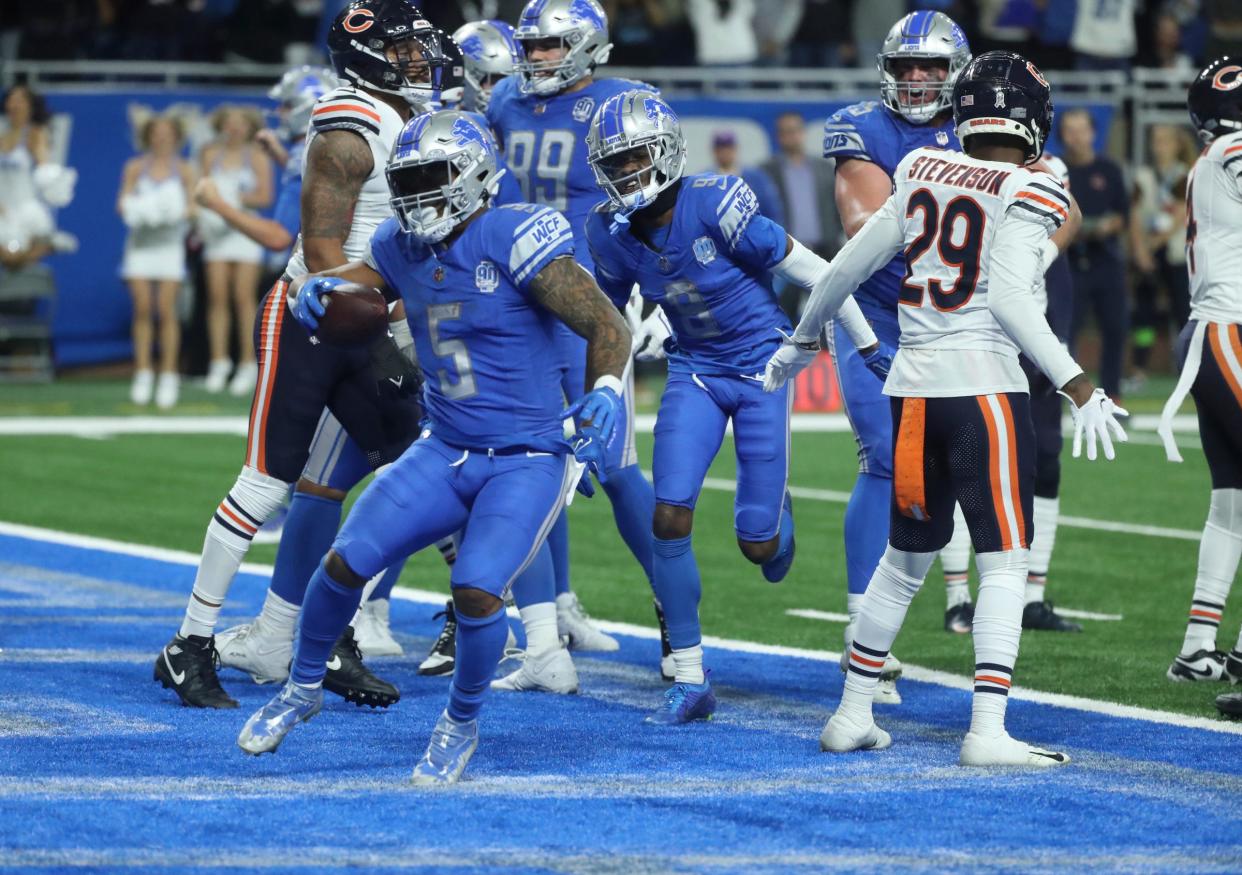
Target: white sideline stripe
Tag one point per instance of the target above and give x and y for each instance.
(914, 672)
(103, 426)
(830, 617)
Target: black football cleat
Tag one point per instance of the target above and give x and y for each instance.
(443, 655)
(668, 668)
(1040, 615)
(353, 681)
(960, 619)
(1202, 665)
(1233, 667)
(1230, 705)
(187, 666)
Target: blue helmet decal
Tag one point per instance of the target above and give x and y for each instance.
(530, 15)
(466, 131)
(656, 108)
(472, 46)
(581, 9)
(610, 117)
(411, 134)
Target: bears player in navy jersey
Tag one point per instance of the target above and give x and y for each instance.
(699, 249)
(919, 61)
(541, 118)
(483, 289)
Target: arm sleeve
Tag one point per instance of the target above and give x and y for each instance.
(866, 252)
(1012, 270)
(538, 239)
(844, 137)
(802, 267)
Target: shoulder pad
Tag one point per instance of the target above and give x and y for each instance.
(346, 109)
(1041, 197)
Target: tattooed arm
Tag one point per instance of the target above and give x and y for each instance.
(337, 165)
(571, 293)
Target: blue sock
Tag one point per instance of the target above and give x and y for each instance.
(327, 610)
(866, 529)
(309, 530)
(480, 644)
(383, 589)
(536, 584)
(678, 588)
(558, 543)
(633, 507)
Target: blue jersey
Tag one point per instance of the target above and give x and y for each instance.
(870, 132)
(544, 141)
(483, 343)
(288, 209)
(711, 274)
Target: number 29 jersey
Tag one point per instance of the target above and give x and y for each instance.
(948, 207)
(544, 141)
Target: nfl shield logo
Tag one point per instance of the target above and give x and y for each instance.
(583, 109)
(942, 138)
(704, 251)
(540, 108)
(438, 274)
(486, 277)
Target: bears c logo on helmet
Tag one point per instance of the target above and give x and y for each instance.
(1219, 82)
(358, 21)
(1034, 71)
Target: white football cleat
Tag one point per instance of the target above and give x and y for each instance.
(552, 671)
(572, 622)
(1002, 750)
(372, 633)
(842, 735)
(252, 649)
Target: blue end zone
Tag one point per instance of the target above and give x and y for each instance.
(102, 769)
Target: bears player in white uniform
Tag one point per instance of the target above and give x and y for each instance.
(1211, 350)
(974, 228)
(541, 118)
(391, 57)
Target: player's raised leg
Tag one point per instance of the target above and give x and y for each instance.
(762, 509)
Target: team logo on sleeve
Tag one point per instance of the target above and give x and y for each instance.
(583, 109)
(486, 277)
(704, 251)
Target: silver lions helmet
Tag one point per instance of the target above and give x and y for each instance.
(441, 171)
(636, 148)
(295, 95)
(921, 35)
(490, 53)
(579, 27)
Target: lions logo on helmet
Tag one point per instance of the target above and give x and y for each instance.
(441, 172)
(636, 148)
(1003, 93)
(490, 54)
(921, 35)
(579, 27)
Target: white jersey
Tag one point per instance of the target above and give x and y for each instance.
(348, 109)
(1055, 166)
(973, 233)
(1214, 232)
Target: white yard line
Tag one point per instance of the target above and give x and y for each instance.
(914, 672)
(830, 617)
(1089, 615)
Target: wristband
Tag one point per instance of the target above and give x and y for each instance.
(608, 381)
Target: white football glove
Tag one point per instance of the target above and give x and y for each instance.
(650, 336)
(786, 363)
(1097, 418)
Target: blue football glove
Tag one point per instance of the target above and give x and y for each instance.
(590, 449)
(307, 308)
(585, 485)
(880, 362)
(597, 409)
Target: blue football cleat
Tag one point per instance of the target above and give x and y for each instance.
(268, 726)
(451, 746)
(684, 703)
(775, 569)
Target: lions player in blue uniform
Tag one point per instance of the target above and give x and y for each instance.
(482, 289)
(541, 117)
(699, 249)
(919, 62)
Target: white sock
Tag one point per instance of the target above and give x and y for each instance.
(896, 580)
(997, 630)
(955, 561)
(279, 617)
(1047, 511)
(853, 604)
(539, 621)
(253, 498)
(689, 664)
(1219, 552)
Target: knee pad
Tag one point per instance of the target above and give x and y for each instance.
(1225, 511)
(258, 494)
(904, 569)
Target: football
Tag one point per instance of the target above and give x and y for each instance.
(353, 315)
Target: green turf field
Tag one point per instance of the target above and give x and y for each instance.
(161, 489)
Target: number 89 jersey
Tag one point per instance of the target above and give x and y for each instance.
(948, 207)
(544, 140)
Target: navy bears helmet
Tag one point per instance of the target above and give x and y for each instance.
(388, 46)
(1215, 98)
(1003, 93)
